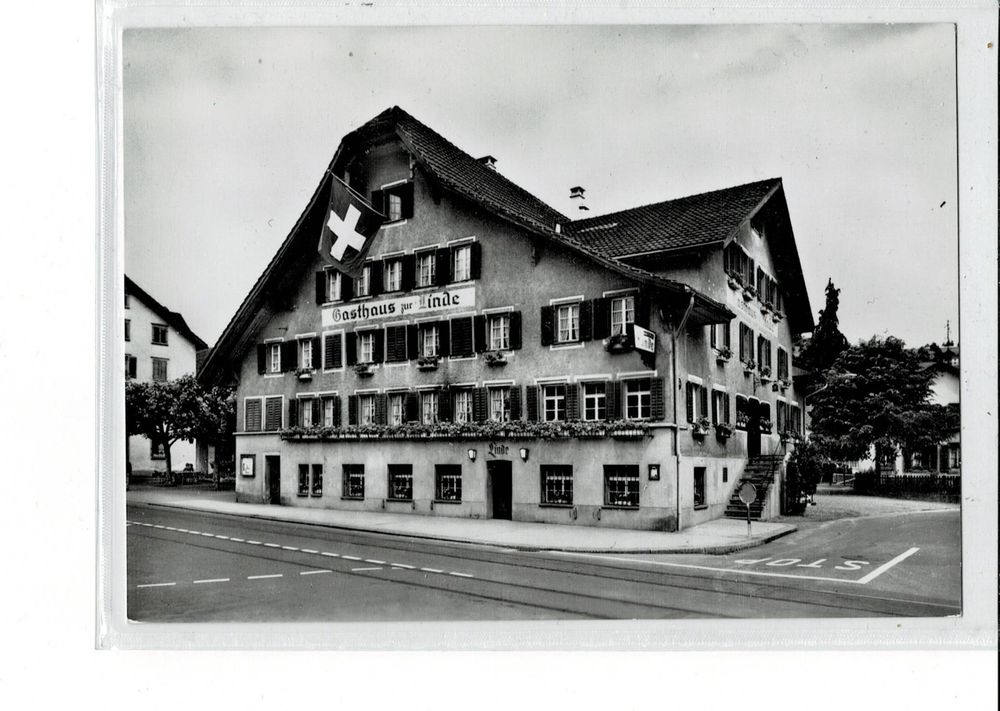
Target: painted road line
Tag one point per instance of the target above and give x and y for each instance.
(350, 557)
(461, 575)
(289, 548)
(194, 533)
(254, 543)
(212, 580)
(237, 540)
(314, 572)
(155, 585)
(210, 535)
(376, 562)
(272, 545)
(309, 550)
(330, 555)
(182, 530)
(171, 528)
(403, 565)
(431, 570)
(156, 525)
(263, 577)
(885, 566)
(355, 570)
(224, 538)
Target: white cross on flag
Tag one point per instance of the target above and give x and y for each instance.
(347, 233)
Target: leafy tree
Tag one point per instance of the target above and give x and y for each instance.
(827, 342)
(180, 409)
(877, 395)
(804, 470)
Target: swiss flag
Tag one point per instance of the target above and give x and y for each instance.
(351, 224)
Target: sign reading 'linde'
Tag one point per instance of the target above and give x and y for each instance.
(400, 307)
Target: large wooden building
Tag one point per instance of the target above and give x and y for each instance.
(495, 361)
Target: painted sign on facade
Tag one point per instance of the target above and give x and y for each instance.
(400, 307)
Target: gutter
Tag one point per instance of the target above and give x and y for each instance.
(677, 430)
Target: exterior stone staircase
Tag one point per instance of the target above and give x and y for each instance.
(761, 471)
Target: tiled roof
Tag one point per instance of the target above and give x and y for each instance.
(172, 318)
(690, 221)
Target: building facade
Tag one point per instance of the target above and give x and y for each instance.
(159, 346)
(946, 457)
(499, 360)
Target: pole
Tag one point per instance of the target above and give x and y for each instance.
(748, 520)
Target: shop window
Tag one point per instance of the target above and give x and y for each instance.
(303, 480)
(448, 482)
(699, 487)
(159, 370)
(499, 399)
(401, 482)
(354, 481)
(621, 485)
(553, 402)
(557, 484)
(595, 401)
(159, 334)
(637, 399)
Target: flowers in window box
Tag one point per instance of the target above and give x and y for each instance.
(749, 365)
(619, 343)
(428, 362)
(784, 384)
(495, 358)
(765, 307)
(722, 355)
(741, 421)
(777, 316)
(749, 291)
(364, 370)
(699, 428)
(765, 373)
(735, 280)
(723, 430)
(765, 425)
(304, 374)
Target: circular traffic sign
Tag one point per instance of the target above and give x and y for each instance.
(748, 493)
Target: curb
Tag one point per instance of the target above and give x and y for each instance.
(525, 548)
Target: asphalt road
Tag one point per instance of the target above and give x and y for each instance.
(196, 567)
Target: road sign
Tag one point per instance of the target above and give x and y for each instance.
(748, 493)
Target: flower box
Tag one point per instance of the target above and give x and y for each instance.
(777, 316)
(784, 384)
(427, 362)
(749, 366)
(722, 355)
(735, 282)
(723, 431)
(741, 422)
(700, 428)
(765, 374)
(495, 359)
(304, 374)
(364, 370)
(765, 426)
(749, 292)
(765, 309)
(619, 343)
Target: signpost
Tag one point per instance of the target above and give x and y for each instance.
(748, 494)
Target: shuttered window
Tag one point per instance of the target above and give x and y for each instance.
(396, 408)
(333, 355)
(425, 265)
(159, 370)
(461, 337)
(720, 407)
(595, 402)
(429, 407)
(366, 409)
(499, 404)
(697, 402)
(553, 402)
(637, 399)
(499, 332)
(462, 405)
(568, 323)
(252, 415)
(272, 414)
(782, 363)
(395, 344)
(622, 314)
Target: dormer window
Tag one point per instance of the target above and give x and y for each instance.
(394, 201)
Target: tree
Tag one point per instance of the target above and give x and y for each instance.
(827, 342)
(876, 395)
(180, 409)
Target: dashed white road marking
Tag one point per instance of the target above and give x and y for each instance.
(211, 580)
(431, 570)
(309, 550)
(314, 572)
(254, 543)
(263, 577)
(402, 565)
(237, 540)
(376, 562)
(156, 525)
(155, 585)
(272, 545)
(462, 575)
(355, 570)
(289, 548)
(330, 555)
(224, 538)
(350, 557)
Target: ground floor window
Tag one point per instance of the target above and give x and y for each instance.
(272, 413)
(303, 480)
(354, 481)
(621, 485)
(557, 484)
(448, 482)
(742, 412)
(401, 482)
(317, 480)
(699, 486)
(954, 457)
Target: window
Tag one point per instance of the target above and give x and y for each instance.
(719, 335)
(354, 481)
(333, 284)
(128, 330)
(392, 278)
(303, 480)
(401, 482)
(425, 269)
(159, 335)
(795, 417)
(637, 399)
(306, 353)
(396, 201)
(720, 407)
(621, 485)
(157, 451)
(329, 418)
(763, 352)
(699, 487)
(557, 484)
(306, 412)
(275, 360)
(394, 207)
(128, 301)
(554, 402)
(622, 314)
(499, 404)
(725, 474)
(462, 411)
(252, 415)
(697, 402)
(462, 262)
(782, 363)
(595, 401)
(429, 407)
(272, 413)
(397, 408)
(430, 340)
(366, 409)
(366, 347)
(499, 337)
(131, 363)
(568, 323)
(363, 284)
(159, 370)
(448, 482)
(746, 343)
(742, 411)
(317, 480)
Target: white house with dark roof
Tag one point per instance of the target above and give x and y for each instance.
(624, 370)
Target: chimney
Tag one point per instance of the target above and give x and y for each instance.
(576, 193)
(489, 161)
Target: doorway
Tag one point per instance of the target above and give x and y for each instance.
(753, 429)
(272, 473)
(500, 488)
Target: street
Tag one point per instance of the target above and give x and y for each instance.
(195, 567)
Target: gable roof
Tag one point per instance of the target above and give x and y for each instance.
(172, 318)
(691, 221)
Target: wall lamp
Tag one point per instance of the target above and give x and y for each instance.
(524, 454)
(472, 455)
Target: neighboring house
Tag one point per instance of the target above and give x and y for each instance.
(159, 346)
(513, 385)
(944, 458)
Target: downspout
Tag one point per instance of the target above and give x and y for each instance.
(677, 429)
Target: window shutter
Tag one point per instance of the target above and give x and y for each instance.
(378, 201)
(444, 405)
(479, 404)
(352, 409)
(703, 395)
(711, 335)
(293, 413)
(572, 401)
(378, 346)
(725, 401)
(331, 351)
(586, 320)
(315, 352)
(380, 418)
(395, 344)
(531, 393)
(346, 288)
(612, 393)
(515, 402)
(476, 260)
(412, 345)
(317, 412)
(461, 336)
(412, 413)
(352, 348)
(689, 397)
(601, 318)
(406, 195)
(642, 308)
(289, 356)
(444, 337)
(656, 399)
(375, 273)
(546, 320)
(515, 330)
(320, 287)
(727, 341)
(479, 333)
(442, 266)
(409, 271)
(261, 358)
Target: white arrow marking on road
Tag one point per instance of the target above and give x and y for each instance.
(885, 566)
(346, 232)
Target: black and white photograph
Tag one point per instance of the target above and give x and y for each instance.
(541, 323)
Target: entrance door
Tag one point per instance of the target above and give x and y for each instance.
(272, 471)
(753, 429)
(500, 486)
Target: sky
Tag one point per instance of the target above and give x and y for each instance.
(227, 132)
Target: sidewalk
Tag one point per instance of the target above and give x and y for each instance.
(718, 536)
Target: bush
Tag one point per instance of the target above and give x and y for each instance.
(804, 470)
